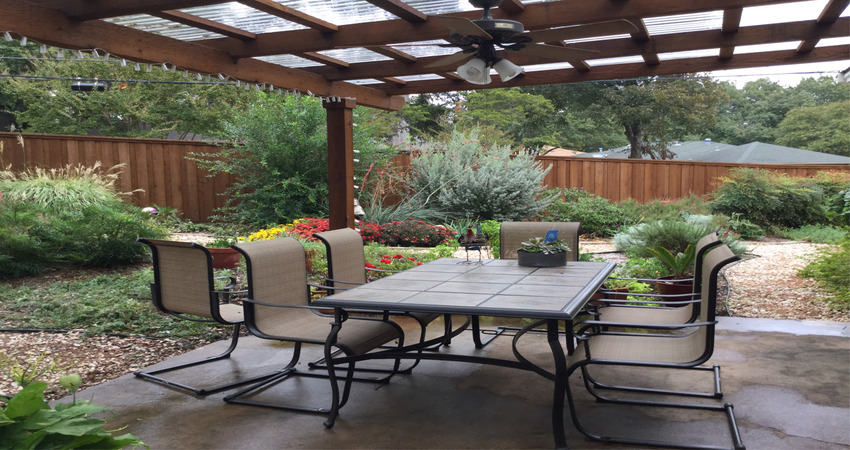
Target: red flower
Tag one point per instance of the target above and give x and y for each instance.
(412, 259)
(398, 256)
(385, 261)
(419, 264)
(370, 265)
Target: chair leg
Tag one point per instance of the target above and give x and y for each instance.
(592, 384)
(726, 408)
(477, 332)
(151, 375)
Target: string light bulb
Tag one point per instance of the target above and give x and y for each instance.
(23, 41)
(8, 36)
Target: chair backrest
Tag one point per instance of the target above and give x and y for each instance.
(512, 234)
(705, 244)
(183, 279)
(276, 274)
(346, 260)
(702, 341)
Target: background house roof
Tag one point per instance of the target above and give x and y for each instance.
(752, 153)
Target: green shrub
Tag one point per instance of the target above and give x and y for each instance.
(815, 233)
(839, 206)
(832, 271)
(278, 154)
(85, 223)
(635, 212)
(467, 180)
(598, 216)
(769, 199)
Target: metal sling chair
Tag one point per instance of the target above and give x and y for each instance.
(184, 287)
(673, 311)
(511, 237)
(277, 308)
(347, 269)
(654, 349)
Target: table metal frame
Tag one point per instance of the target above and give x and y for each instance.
(498, 288)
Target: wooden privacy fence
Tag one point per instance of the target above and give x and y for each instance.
(644, 180)
(158, 168)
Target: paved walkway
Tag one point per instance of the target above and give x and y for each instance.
(789, 382)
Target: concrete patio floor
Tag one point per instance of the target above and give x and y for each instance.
(789, 382)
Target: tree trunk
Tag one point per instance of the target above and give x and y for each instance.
(634, 134)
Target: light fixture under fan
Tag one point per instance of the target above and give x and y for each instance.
(481, 39)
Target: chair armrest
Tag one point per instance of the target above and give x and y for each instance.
(353, 283)
(650, 280)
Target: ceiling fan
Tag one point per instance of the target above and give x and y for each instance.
(481, 39)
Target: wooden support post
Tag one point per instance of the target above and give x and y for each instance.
(341, 163)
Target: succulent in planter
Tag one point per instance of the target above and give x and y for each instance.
(539, 245)
(223, 256)
(537, 252)
(222, 242)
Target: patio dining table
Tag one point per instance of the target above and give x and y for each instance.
(494, 287)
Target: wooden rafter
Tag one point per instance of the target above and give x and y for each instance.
(324, 59)
(731, 25)
(204, 24)
(829, 15)
(401, 9)
(642, 35)
(512, 6)
(390, 52)
(393, 80)
(101, 9)
(290, 14)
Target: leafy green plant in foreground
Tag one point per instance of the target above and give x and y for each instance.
(28, 422)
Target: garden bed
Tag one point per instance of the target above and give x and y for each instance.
(764, 285)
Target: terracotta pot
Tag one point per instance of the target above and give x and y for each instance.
(225, 258)
(665, 286)
(538, 259)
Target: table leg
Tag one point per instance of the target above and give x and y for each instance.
(561, 381)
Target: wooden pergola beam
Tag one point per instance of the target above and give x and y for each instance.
(624, 71)
(512, 6)
(204, 24)
(401, 9)
(731, 25)
(54, 28)
(290, 14)
(393, 53)
(670, 43)
(831, 12)
(534, 16)
(324, 59)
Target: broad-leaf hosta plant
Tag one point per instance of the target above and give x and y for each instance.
(539, 245)
(28, 422)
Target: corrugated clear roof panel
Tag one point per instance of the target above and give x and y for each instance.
(745, 49)
(612, 61)
(828, 42)
(163, 27)
(689, 54)
(683, 23)
(289, 61)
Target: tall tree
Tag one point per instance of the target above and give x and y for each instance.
(824, 128)
(524, 118)
(654, 112)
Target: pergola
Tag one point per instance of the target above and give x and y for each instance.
(369, 52)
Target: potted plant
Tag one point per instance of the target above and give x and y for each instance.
(537, 252)
(681, 265)
(224, 257)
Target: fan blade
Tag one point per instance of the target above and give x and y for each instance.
(582, 31)
(556, 52)
(451, 59)
(462, 26)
